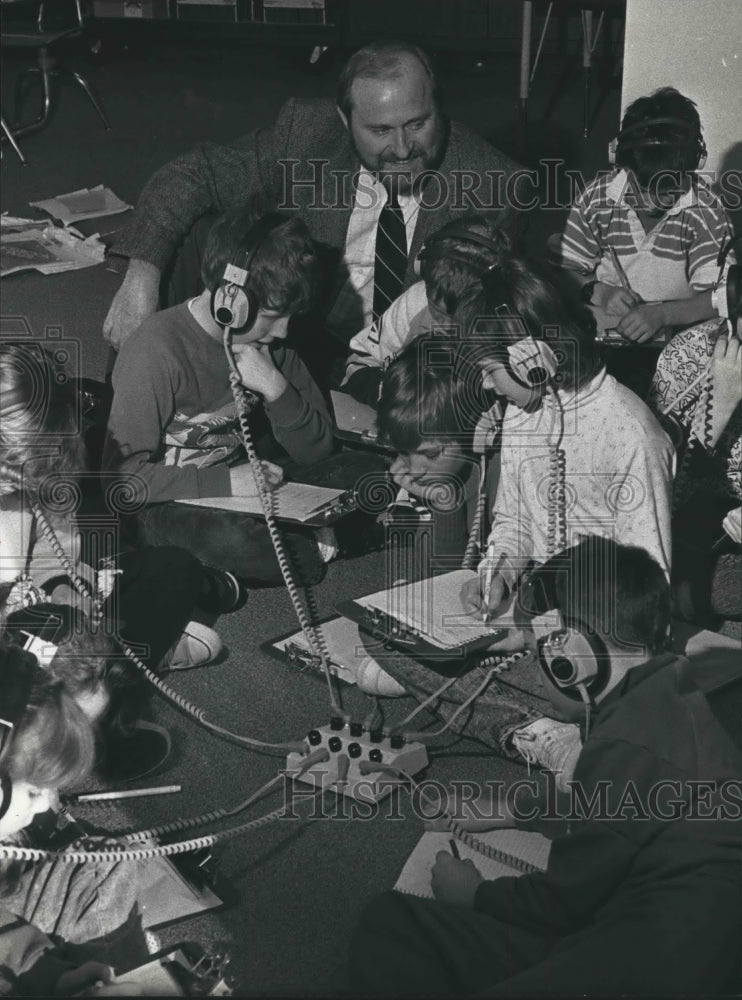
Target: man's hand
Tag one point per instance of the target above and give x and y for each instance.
(642, 322)
(242, 480)
(454, 882)
(258, 370)
(138, 298)
(614, 301)
(726, 383)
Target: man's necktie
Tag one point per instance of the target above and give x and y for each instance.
(390, 261)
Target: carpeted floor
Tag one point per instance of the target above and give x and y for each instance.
(300, 885)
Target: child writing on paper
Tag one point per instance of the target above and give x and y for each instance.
(580, 454)
(654, 220)
(173, 422)
(62, 926)
(451, 265)
(641, 893)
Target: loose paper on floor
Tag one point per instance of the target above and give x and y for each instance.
(87, 203)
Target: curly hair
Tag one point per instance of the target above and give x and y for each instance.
(285, 269)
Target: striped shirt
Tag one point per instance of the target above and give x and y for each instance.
(674, 260)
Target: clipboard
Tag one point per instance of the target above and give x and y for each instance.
(355, 422)
(294, 503)
(424, 620)
(344, 643)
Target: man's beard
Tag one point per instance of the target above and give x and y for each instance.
(407, 174)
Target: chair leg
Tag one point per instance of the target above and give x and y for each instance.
(19, 93)
(11, 139)
(93, 99)
(45, 69)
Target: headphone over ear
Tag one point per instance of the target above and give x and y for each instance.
(571, 656)
(531, 362)
(433, 248)
(631, 138)
(233, 304)
(16, 681)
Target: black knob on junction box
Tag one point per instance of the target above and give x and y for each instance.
(356, 729)
(337, 723)
(376, 735)
(375, 755)
(335, 743)
(314, 737)
(354, 750)
(396, 741)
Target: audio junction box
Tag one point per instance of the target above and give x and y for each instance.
(352, 753)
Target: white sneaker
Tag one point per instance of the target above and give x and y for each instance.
(197, 646)
(553, 745)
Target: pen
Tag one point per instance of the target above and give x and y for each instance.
(489, 575)
(619, 269)
(454, 849)
(129, 793)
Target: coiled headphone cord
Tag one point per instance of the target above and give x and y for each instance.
(307, 614)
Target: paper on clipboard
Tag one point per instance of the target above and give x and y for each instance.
(432, 608)
(296, 502)
(344, 644)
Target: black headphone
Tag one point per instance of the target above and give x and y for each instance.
(734, 279)
(571, 656)
(631, 137)
(433, 248)
(16, 682)
(233, 304)
(42, 628)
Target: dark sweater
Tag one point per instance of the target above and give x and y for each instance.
(173, 413)
(654, 727)
(223, 178)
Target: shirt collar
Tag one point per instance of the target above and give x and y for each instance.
(370, 181)
(618, 185)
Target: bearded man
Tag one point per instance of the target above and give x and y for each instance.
(372, 175)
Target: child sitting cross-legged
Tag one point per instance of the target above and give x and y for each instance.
(173, 423)
(641, 893)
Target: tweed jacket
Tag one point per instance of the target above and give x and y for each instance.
(306, 161)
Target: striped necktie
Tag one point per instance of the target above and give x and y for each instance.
(390, 260)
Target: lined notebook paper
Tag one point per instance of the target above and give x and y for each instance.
(498, 852)
(432, 607)
(292, 502)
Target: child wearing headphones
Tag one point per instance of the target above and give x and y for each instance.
(644, 239)
(173, 426)
(144, 597)
(444, 469)
(451, 265)
(62, 926)
(641, 893)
